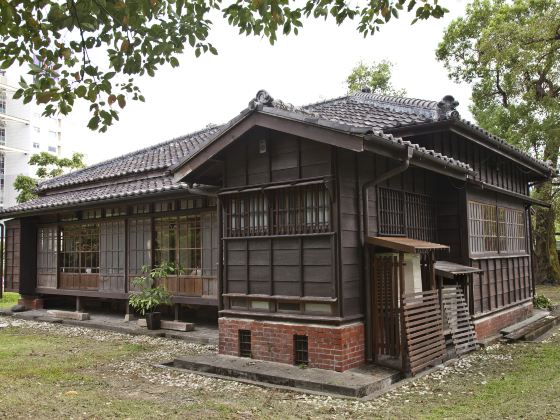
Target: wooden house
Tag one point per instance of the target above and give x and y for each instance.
(363, 228)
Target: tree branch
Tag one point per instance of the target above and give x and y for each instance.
(501, 91)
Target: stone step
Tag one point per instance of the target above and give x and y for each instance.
(534, 330)
(355, 383)
(77, 316)
(537, 314)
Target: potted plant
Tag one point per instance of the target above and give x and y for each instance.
(148, 297)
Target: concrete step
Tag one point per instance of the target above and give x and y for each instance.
(356, 383)
(534, 330)
(537, 314)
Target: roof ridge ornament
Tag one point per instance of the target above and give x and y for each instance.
(446, 108)
(262, 98)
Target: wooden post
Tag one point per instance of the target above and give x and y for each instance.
(431, 267)
(78, 304)
(373, 299)
(401, 296)
(177, 311)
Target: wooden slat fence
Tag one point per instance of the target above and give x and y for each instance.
(423, 326)
(386, 306)
(458, 318)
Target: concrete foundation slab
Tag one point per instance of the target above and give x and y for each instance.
(357, 383)
(205, 333)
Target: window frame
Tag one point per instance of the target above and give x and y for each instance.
(80, 255)
(495, 217)
(294, 210)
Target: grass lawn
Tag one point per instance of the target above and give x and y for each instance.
(49, 371)
(8, 300)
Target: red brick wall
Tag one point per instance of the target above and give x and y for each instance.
(492, 324)
(334, 348)
(31, 302)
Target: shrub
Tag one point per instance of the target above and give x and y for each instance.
(149, 297)
(542, 302)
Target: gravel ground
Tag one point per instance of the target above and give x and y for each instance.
(462, 378)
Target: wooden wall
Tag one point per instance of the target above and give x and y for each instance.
(287, 158)
(302, 266)
(491, 167)
(21, 262)
(13, 255)
(507, 277)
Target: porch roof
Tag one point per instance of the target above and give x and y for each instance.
(403, 244)
(450, 269)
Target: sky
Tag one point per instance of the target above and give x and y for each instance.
(302, 69)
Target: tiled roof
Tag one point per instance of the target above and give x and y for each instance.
(127, 189)
(387, 112)
(158, 157)
(375, 111)
(360, 114)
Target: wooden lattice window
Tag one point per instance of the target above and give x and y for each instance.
(483, 227)
(295, 210)
(247, 215)
(511, 229)
(46, 256)
(301, 210)
(496, 229)
(178, 240)
(403, 213)
(79, 248)
(139, 245)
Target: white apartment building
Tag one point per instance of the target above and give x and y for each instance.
(23, 132)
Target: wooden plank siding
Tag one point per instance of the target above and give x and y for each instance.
(13, 255)
(507, 276)
(491, 167)
(291, 262)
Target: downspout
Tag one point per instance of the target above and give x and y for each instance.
(365, 214)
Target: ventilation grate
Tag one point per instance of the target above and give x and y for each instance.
(301, 352)
(244, 343)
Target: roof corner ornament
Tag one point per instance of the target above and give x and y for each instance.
(366, 89)
(262, 98)
(446, 108)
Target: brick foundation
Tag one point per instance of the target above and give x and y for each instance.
(490, 325)
(31, 302)
(330, 347)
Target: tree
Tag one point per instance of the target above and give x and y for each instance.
(48, 166)
(376, 77)
(58, 39)
(510, 52)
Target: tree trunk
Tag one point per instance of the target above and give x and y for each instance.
(546, 257)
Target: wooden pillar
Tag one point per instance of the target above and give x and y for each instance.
(373, 305)
(432, 270)
(177, 311)
(404, 350)
(78, 304)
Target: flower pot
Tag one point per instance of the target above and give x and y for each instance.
(153, 320)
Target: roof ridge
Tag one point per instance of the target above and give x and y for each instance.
(401, 100)
(44, 186)
(324, 101)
